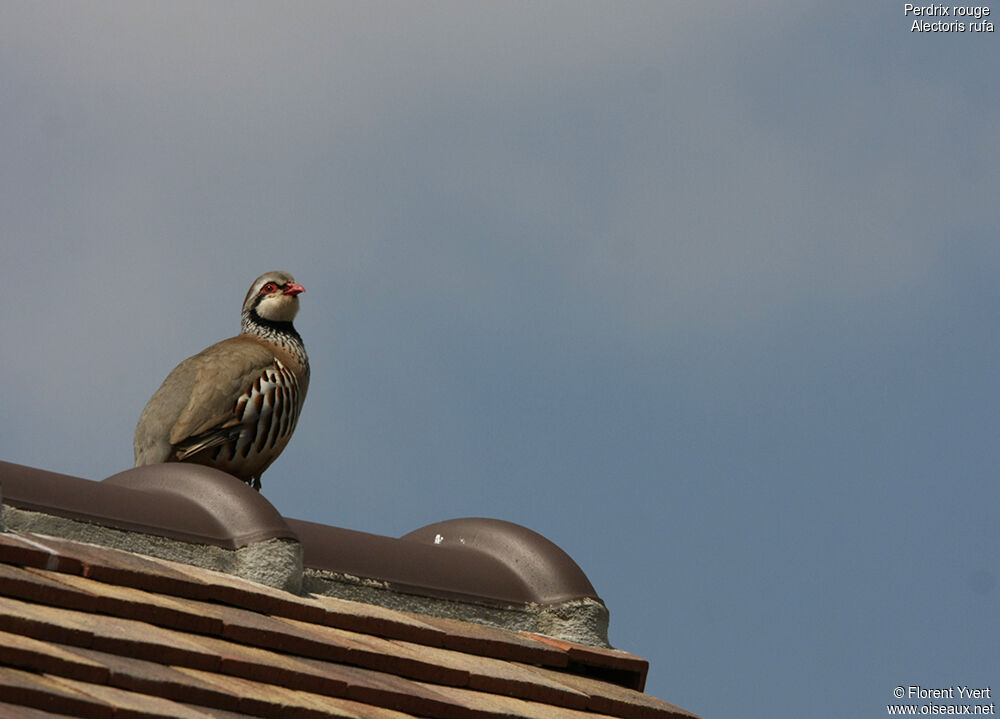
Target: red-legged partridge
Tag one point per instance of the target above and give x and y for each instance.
(234, 405)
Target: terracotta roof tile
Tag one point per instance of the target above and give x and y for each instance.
(145, 676)
(40, 691)
(498, 643)
(18, 549)
(620, 701)
(628, 668)
(129, 603)
(131, 704)
(10, 711)
(270, 700)
(502, 677)
(377, 620)
(387, 690)
(101, 563)
(215, 713)
(388, 655)
(483, 705)
(45, 623)
(49, 658)
(34, 585)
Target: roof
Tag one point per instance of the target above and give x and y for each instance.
(91, 630)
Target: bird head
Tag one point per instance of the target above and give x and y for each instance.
(274, 296)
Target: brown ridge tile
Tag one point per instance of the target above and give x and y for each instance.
(497, 643)
(50, 695)
(131, 704)
(47, 658)
(33, 585)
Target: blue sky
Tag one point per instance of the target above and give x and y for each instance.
(704, 293)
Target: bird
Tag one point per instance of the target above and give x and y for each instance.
(234, 405)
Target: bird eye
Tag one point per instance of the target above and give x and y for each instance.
(268, 288)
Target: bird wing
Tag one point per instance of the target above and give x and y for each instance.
(218, 377)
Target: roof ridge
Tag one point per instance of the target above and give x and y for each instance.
(102, 618)
(480, 570)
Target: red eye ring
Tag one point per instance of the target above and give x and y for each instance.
(269, 288)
